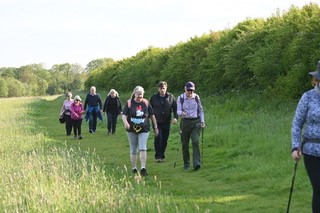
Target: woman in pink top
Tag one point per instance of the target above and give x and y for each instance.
(76, 116)
(65, 109)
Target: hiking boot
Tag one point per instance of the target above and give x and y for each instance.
(134, 170)
(143, 172)
(197, 167)
(90, 131)
(158, 160)
(80, 137)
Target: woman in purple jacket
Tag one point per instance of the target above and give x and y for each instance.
(76, 116)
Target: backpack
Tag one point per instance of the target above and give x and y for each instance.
(182, 100)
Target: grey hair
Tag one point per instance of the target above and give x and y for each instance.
(137, 89)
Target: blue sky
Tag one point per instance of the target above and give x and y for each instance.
(79, 31)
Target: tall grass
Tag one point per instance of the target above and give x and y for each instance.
(39, 174)
(246, 163)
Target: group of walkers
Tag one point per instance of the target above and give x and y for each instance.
(138, 111)
(163, 109)
(72, 110)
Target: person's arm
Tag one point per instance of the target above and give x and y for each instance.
(155, 126)
(105, 104)
(125, 121)
(154, 120)
(201, 113)
(100, 103)
(120, 106)
(125, 117)
(297, 125)
(86, 103)
(62, 109)
(72, 112)
(174, 110)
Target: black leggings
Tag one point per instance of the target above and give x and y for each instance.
(312, 165)
(77, 127)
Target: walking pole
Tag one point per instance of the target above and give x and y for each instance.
(179, 144)
(202, 145)
(175, 162)
(292, 183)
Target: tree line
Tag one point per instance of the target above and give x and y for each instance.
(35, 80)
(271, 56)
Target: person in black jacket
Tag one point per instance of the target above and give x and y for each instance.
(112, 107)
(163, 104)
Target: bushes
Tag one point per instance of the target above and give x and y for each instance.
(271, 55)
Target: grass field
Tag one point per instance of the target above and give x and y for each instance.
(246, 163)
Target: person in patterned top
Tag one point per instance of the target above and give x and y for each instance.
(306, 135)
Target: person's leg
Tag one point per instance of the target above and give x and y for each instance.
(164, 141)
(195, 135)
(157, 143)
(133, 142)
(109, 118)
(75, 130)
(143, 139)
(90, 122)
(312, 165)
(114, 123)
(185, 137)
(68, 124)
(79, 129)
(94, 120)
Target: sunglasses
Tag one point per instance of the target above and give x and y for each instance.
(189, 90)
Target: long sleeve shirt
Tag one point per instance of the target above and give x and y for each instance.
(93, 100)
(192, 106)
(306, 124)
(76, 111)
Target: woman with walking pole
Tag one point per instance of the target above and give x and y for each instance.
(306, 136)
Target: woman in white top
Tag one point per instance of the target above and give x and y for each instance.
(66, 109)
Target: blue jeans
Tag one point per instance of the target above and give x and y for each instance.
(161, 141)
(93, 121)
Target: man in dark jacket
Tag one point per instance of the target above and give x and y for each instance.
(163, 104)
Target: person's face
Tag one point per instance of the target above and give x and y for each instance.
(92, 90)
(77, 101)
(113, 95)
(138, 96)
(315, 82)
(68, 96)
(189, 93)
(162, 90)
